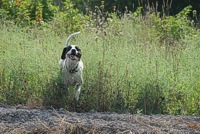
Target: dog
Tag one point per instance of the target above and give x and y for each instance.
(72, 66)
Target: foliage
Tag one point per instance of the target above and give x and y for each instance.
(68, 20)
(24, 12)
(169, 7)
(17, 10)
(170, 28)
(41, 12)
(151, 99)
(126, 67)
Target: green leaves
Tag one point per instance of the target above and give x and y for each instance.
(42, 12)
(172, 28)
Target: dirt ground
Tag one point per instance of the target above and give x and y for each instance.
(23, 120)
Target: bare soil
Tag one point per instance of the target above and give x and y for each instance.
(18, 120)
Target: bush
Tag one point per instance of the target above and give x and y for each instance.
(151, 99)
(170, 28)
(42, 13)
(68, 19)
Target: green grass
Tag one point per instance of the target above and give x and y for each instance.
(130, 70)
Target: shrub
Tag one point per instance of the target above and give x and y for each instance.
(42, 13)
(17, 10)
(68, 19)
(170, 28)
(151, 99)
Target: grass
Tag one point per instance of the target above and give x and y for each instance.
(125, 70)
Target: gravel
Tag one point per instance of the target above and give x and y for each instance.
(18, 120)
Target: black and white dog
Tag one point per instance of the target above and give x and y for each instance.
(72, 66)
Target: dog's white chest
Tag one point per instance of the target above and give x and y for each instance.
(71, 77)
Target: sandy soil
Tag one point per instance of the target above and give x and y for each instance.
(18, 120)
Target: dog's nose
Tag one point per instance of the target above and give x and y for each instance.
(73, 51)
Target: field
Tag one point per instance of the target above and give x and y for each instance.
(133, 64)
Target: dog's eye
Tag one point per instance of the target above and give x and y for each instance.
(77, 48)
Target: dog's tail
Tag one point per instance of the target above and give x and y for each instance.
(69, 38)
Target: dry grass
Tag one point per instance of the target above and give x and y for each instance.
(61, 121)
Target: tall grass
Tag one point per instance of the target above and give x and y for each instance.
(126, 69)
(28, 62)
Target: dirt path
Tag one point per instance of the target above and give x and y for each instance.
(18, 120)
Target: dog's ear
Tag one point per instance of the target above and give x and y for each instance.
(65, 50)
(63, 56)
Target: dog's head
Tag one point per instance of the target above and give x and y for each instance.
(72, 52)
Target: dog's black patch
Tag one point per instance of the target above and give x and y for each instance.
(79, 55)
(77, 48)
(65, 50)
(79, 52)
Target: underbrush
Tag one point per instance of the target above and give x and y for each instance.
(128, 68)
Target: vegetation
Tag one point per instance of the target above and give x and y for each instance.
(134, 62)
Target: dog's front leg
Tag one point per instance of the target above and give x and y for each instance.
(78, 91)
(65, 80)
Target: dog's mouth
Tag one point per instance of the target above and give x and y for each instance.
(72, 57)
